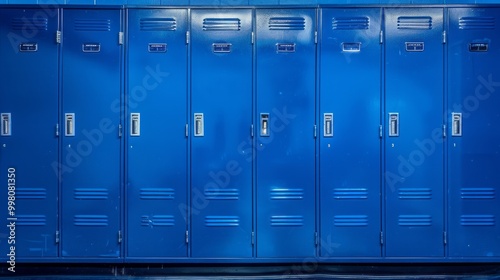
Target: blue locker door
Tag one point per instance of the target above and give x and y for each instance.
(414, 132)
(221, 194)
(285, 136)
(28, 142)
(474, 151)
(157, 144)
(350, 141)
(91, 185)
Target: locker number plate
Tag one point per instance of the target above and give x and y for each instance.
(91, 47)
(414, 46)
(478, 47)
(28, 47)
(351, 47)
(157, 48)
(285, 48)
(221, 47)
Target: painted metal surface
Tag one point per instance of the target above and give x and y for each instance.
(91, 141)
(28, 141)
(350, 154)
(474, 145)
(157, 142)
(414, 132)
(194, 132)
(221, 186)
(285, 177)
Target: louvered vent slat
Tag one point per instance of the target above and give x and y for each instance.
(158, 24)
(287, 23)
(415, 22)
(350, 23)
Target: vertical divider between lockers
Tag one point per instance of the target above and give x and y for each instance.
(188, 135)
(317, 120)
(124, 122)
(60, 134)
(257, 124)
(446, 25)
(383, 126)
(253, 133)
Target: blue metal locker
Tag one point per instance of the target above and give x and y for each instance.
(414, 132)
(28, 142)
(157, 142)
(221, 96)
(91, 136)
(474, 151)
(349, 134)
(286, 54)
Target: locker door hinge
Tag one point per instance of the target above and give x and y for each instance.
(380, 131)
(381, 238)
(444, 131)
(315, 131)
(57, 130)
(120, 38)
(315, 37)
(186, 130)
(187, 37)
(253, 38)
(58, 37)
(251, 130)
(381, 37)
(187, 236)
(57, 237)
(120, 238)
(444, 37)
(253, 238)
(120, 130)
(316, 239)
(445, 238)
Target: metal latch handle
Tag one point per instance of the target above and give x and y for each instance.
(264, 124)
(135, 124)
(6, 124)
(69, 121)
(199, 126)
(393, 124)
(456, 129)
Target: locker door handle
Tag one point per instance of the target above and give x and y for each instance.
(456, 129)
(6, 124)
(199, 126)
(135, 124)
(393, 124)
(328, 125)
(264, 125)
(69, 120)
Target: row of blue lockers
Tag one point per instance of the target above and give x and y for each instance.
(251, 135)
